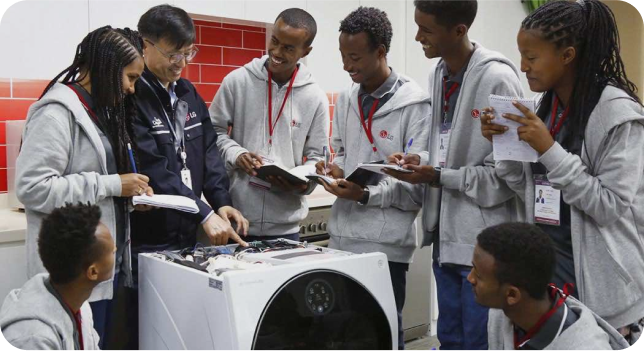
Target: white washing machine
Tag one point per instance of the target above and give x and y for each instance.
(303, 298)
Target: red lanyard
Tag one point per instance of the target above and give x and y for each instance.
(518, 343)
(366, 128)
(448, 94)
(554, 129)
(78, 320)
(271, 125)
(84, 103)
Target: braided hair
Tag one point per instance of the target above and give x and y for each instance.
(588, 26)
(103, 54)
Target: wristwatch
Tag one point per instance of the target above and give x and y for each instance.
(437, 177)
(365, 196)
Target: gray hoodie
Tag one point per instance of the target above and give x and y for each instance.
(32, 318)
(472, 197)
(62, 160)
(605, 190)
(589, 332)
(385, 223)
(301, 132)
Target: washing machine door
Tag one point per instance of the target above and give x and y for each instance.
(322, 309)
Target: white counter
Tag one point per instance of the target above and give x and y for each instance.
(13, 225)
(320, 198)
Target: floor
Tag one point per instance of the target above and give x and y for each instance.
(424, 343)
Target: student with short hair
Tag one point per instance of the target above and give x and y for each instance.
(378, 115)
(512, 267)
(278, 114)
(51, 312)
(462, 193)
(589, 133)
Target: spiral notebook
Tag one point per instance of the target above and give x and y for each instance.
(174, 202)
(507, 146)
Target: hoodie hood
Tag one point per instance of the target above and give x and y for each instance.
(19, 306)
(258, 69)
(408, 94)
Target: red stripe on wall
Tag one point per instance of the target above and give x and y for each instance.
(11, 109)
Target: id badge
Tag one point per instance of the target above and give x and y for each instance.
(546, 202)
(186, 178)
(446, 130)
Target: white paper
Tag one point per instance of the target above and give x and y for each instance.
(175, 202)
(302, 171)
(507, 146)
(379, 168)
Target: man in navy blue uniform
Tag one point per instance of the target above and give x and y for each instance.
(177, 149)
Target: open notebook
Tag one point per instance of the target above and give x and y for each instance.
(295, 175)
(174, 202)
(366, 173)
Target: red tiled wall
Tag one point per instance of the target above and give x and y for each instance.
(16, 95)
(223, 47)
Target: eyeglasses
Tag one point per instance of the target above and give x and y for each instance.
(176, 58)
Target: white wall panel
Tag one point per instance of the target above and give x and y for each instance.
(39, 38)
(119, 13)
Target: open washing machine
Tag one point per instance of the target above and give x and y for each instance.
(294, 296)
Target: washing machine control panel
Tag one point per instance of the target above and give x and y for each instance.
(319, 297)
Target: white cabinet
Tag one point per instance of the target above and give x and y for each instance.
(14, 267)
(119, 13)
(395, 10)
(325, 61)
(267, 10)
(417, 66)
(39, 37)
(217, 8)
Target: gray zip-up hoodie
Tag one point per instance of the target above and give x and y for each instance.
(32, 318)
(472, 197)
(301, 132)
(605, 190)
(62, 160)
(385, 223)
(589, 332)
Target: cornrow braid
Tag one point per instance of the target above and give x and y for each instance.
(103, 54)
(589, 26)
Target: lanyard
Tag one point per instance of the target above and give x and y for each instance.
(448, 94)
(84, 103)
(271, 124)
(519, 343)
(554, 129)
(184, 155)
(367, 128)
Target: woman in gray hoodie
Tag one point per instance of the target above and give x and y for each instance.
(589, 133)
(75, 147)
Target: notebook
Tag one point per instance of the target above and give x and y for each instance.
(174, 202)
(507, 146)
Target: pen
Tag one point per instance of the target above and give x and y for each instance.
(129, 151)
(408, 146)
(325, 158)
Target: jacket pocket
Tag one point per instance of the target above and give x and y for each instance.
(608, 288)
(366, 223)
(162, 136)
(193, 132)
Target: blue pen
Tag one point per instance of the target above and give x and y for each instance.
(129, 151)
(408, 146)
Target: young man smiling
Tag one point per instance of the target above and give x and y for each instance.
(462, 193)
(377, 116)
(278, 114)
(512, 266)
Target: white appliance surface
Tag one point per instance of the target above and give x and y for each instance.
(307, 297)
